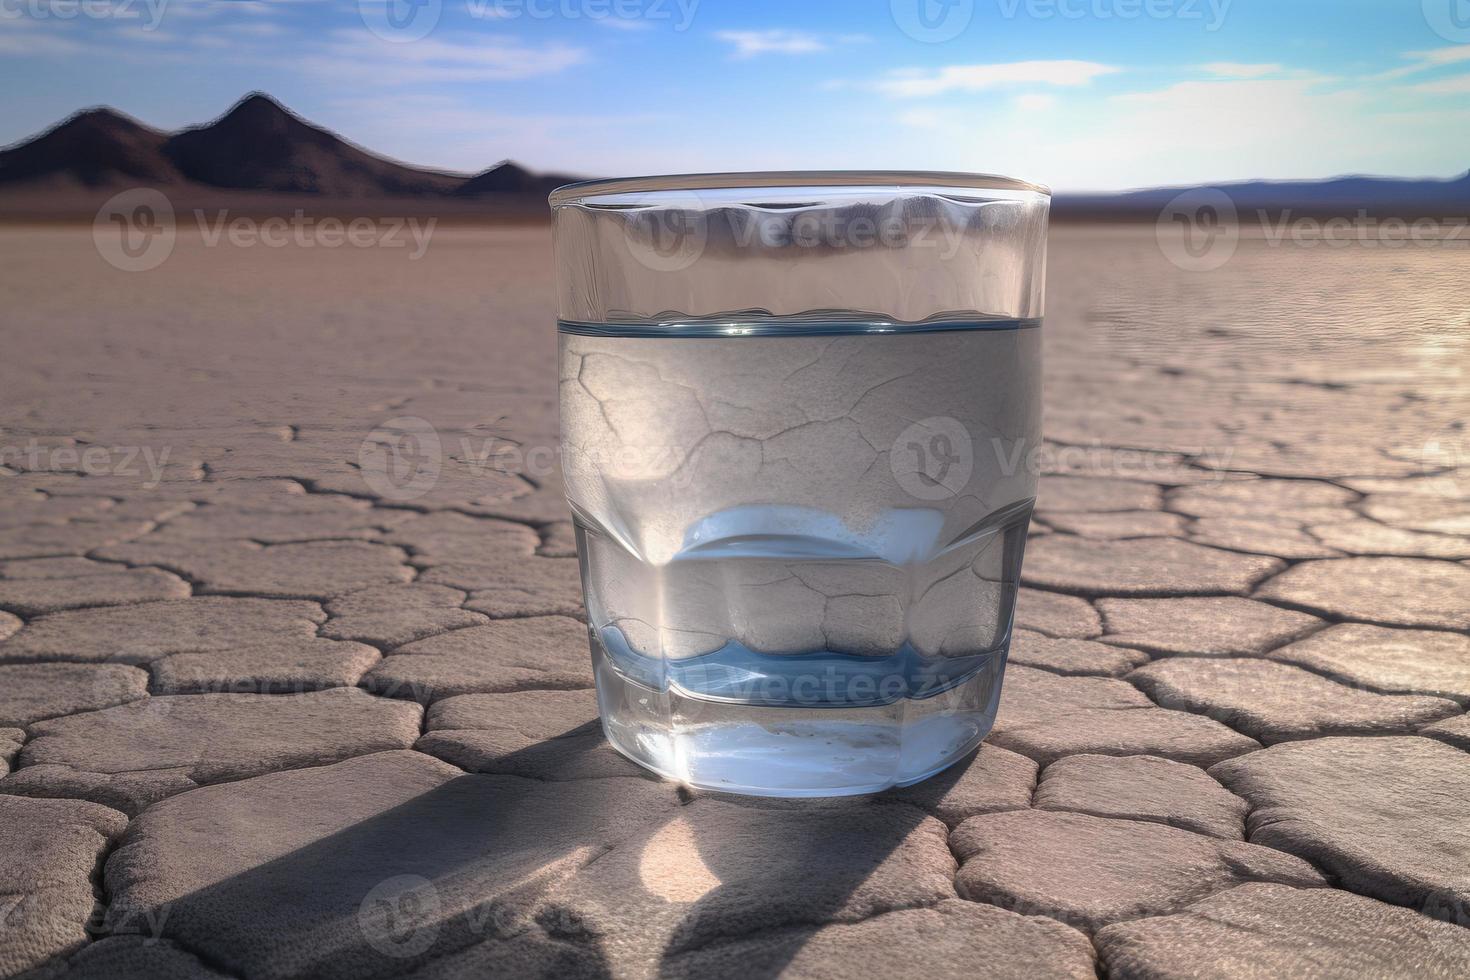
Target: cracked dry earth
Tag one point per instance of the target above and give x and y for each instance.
(261, 717)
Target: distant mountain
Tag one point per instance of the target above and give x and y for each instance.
(511, 178)
(94, 148)
(1381, 196)
(257, 146)
(260, 145)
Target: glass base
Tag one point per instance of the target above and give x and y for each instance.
(765, 750)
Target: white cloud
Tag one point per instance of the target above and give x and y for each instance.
(64, 13)
(916, 82)
(156, 40)
(21, 35)
(254, 29)
(1427, 60)
(1202, 131)
(370, 60)
(1035, 101)
(235, 35)
(748, 44)
(350, 56)
(923, 118)
(1458, 85)
(148, 35)
(38, 45)
(211, 8)
(624, 23)
(1442, 56)
(1237, 69)
(448, 132)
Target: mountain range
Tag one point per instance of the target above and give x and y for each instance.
(1346, 196)
(257, 146)
(261, 148)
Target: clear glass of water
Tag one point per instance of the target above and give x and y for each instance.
(797, 413)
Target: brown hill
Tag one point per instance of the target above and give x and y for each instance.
(94, 148)
(511, 178)
(260, 145)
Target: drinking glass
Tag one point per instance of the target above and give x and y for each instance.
(797, 413)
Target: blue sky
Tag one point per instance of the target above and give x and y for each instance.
(1080, 94)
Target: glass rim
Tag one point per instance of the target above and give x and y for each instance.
(886, 180)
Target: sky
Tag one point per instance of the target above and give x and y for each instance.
(1078, 94)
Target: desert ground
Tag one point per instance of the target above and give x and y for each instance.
(272, 706)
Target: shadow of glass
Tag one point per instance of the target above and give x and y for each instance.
(463, 861)
(474, 871)
(824, 861)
